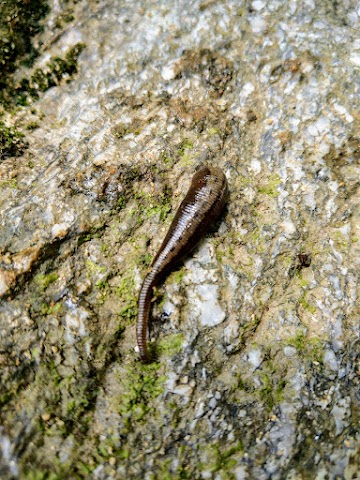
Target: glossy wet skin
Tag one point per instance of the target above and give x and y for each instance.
(200, 208)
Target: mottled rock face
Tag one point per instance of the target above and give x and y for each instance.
(256, 372)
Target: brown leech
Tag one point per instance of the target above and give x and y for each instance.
(202, 205)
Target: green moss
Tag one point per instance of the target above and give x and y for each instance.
(5, 398)
(222, 460)
(310, 348)
(141, 385)
(95, 232)
(170, 345)
(127, 292)
(121, 202)
(105, 248)
(306, 305)
(93, 268)
(109, 447)
(177, 277)
(279, 389)
(53, 309)
(41, 475)
(126, 286)
(185, 154)
(271, 393)
(273, 380)
(42, 79)
(32, 126)
(160, 208)
(165, 158)
(12, 183)
(245, 182)
(303, 283)
(297, 341)
(12, 142)
(256, 241)
(145, 259)
(164, 473)
(19, 21)
(213, 131)
(315, 349)
(241, 384)
(183, 471)
(67, 17)
(122, 129)
(129, 311)
(43, 281)
(83, 470)
(186, 144)
(68, 400)
(102, 284)
(50, 309)
(152, 205)
(271, 187)
(252, 325)
(341, 241)
(187, 160)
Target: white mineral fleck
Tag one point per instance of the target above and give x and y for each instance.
(342, 111)
(182, 390)
(355, 57)
(258, 5)
(75, 323)
(330, 360)
(247, 90)
(201, 409)
(59, 230)
(310, 4)
(210, 312)
(255, 166)
(290, 351)
(255, 358)
(258, 23)
(241, 473)
(289, 228)
(168, 72)
(339, 412)
(320, 127)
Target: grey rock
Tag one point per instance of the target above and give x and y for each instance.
(256, 336)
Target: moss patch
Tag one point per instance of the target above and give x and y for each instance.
(127, 292)
(141, 385)
(170, 345)
(19, 21)
(152, 205)
(56, 70)
(43, 281)
(222, 460)
(12, 143)
(270, 188)
(39, 475)
(310, 348)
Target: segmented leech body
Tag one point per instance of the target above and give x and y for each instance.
(202, 205)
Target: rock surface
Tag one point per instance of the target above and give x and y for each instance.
(257, 336)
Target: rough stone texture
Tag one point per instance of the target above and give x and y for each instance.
(257, 335)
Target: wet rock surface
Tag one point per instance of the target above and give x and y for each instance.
(256, 336)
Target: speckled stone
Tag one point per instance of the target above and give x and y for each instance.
(256, 335)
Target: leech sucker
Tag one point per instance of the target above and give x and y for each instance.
(200, 208)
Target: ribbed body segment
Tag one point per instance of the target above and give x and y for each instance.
(202, 206)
